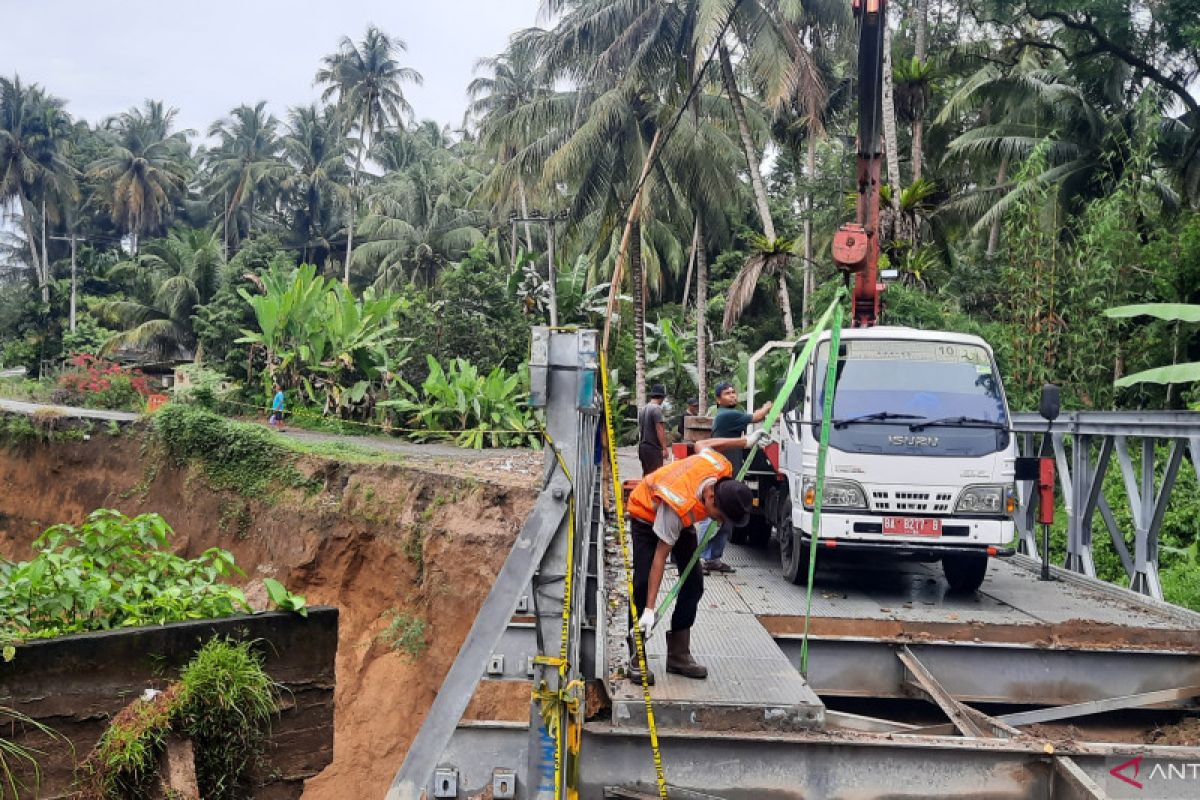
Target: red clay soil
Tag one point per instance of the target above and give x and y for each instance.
(376, 541)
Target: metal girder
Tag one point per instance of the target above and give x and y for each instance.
(553, 543)
(1072, 783)
(1072, 439)
(843, 720)
(954, 710)
(990, 673)
(744, 766)
(1161, 424)
(750, 766)
(1142, 700)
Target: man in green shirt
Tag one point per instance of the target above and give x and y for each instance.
(729, 423)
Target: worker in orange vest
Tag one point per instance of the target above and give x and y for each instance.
(663, 511)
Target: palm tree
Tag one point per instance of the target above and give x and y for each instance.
(245, 165)
(634, 191)
(513, 83)
(416, 222)
(315, 152)
(145, 172)
(788, 75)
(183, 269)
(366, 80)
(33, 167)
(1036, 104)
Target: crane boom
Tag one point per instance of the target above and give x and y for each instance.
(856, 244)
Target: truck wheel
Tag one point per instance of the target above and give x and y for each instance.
(964, 573)
(793, 555)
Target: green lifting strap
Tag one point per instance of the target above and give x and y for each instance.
(835, 339)
(831, 317)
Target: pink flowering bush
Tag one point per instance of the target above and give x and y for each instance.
(93, 382)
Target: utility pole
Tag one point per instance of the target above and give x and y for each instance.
(73, 238)
(550, 222)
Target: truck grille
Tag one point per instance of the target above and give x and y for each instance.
(911, 501)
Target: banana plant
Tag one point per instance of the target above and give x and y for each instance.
(1170, 312)
(474, 410)
(671, 352)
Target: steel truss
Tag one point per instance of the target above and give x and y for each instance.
(1083, 444)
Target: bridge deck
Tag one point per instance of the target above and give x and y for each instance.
(749, 623)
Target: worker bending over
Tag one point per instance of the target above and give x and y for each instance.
(664, 509)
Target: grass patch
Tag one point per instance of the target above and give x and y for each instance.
(349, 452)
(405, 633)
(26, 389)
(223, 702)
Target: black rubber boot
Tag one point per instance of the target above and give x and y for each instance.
(634, 670)
(679, 655)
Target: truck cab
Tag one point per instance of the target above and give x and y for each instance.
(921, 457)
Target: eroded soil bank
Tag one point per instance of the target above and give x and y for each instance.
(407, 553)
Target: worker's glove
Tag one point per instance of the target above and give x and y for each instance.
(757, 438)
(646, 623)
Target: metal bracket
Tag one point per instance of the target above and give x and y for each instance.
(504, 784)
(445, 782)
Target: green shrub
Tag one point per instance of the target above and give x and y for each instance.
(234, 455)
(208, 388)
(111, 572)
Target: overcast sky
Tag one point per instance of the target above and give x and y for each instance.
(204, 58)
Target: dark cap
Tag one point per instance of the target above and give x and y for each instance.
(722, 386)
(693, 401)
(735, 500)
(658, 390)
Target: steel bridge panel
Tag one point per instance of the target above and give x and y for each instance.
(979, 673)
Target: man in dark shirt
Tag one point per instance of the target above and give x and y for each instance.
(693, 408)
(652, 432)
(729, 423)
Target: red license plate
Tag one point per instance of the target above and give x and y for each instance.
(912, 526)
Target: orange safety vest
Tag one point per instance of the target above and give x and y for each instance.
(677, 484)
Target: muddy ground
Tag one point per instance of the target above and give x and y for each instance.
(397, 548)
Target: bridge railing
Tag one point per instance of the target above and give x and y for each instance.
(1083, 444)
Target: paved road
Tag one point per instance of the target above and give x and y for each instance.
(627, 460)
(21, 407)
(627, 456)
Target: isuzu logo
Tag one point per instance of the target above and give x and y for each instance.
(899, 440)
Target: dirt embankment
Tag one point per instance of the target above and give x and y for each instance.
(407, 554)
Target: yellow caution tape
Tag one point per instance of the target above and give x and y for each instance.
(624, 539)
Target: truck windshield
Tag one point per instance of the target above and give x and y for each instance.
(885, 384)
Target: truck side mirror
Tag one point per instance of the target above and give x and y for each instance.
(1050, 403)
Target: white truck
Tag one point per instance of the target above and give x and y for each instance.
(921, 458)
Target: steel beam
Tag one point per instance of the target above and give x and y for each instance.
(1142, 700)
(954, 710)
(1161, 424)
(1072, 783)
(990, 673)
(791, 766)
(843, 720)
